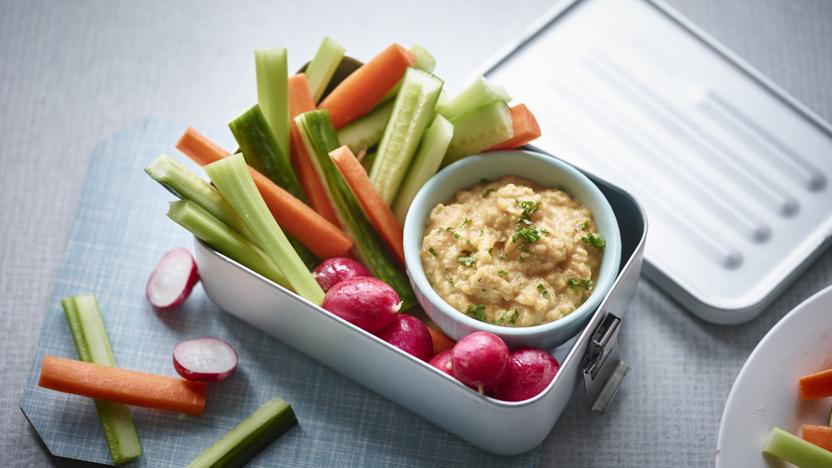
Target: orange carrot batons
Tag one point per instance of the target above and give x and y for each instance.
(525, 126)
(370, 200)
(122, 385)
(363, 89)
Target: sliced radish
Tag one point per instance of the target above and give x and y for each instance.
(205, 359)
(442, 361)
(172, 280)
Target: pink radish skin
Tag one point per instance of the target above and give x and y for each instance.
(334, 270)
(172, 280)
(442, 361)
(480, 360)
(529, 373)
(364, 301)
(410, 335)
(205, 359)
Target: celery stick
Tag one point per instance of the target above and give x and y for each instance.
(476, 94)
(272, 72)
(262, 152)
(219, 236)
(319, 138)
(424, 60)
(367, 131)
(479, 130)
(183, 183)
(234, 182)
(427, 160)
(247, 439)
(412, 112)
(793, 449)
(90, 336)
(320, 70)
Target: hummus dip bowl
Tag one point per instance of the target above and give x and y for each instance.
(547, 172)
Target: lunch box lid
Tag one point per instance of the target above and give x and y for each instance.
(733, 172)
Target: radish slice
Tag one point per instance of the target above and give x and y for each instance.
(205, 359)
(172, 280)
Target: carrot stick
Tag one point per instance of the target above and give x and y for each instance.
(321, 237)
(364, 88)
(816, 386)
(122, 385)
(818, 435)
(370, 200)
(300, 101)
(525, 127)
(441, 341)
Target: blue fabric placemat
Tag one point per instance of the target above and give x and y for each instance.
(120, 233)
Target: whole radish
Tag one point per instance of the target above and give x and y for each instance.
(334, 270)
(206, 359)
(364, 301)
(442, 361)
(410, 335)
(480, 360)
(172, 280)
(529, 372)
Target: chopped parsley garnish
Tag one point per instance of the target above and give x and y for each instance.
(466, 221)
(579, 283)
(511, 320)
(488, 192)
(594, 240)
(528, 234)
(491, 251)
(503, 274)
(545, 232)
(514, 317)
(433, 252)
(451, 280)
(529, 208)
(466, 259)
(477, 311)
(584, 225)
(456, 236)
(470, 245)
(543, 291)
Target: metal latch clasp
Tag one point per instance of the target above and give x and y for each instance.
(602, 367)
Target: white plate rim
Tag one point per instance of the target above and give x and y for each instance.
(769, 336)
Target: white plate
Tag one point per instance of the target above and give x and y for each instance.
(765, 392)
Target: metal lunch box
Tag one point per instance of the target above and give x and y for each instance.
(498, 427)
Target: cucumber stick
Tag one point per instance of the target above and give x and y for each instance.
(183, 183)
(427, 160)
(367, 131)
(319, 138)
(368, 160)
(424, 62)
(793, 449)
(218, 235)
(262, 152)
(320, 70)
(476, 94)
(479, 130)
(412, 112)
(272, 70)
(247, 439)
(234, 182)
(90, 336)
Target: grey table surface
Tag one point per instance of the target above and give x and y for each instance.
(73, 72)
